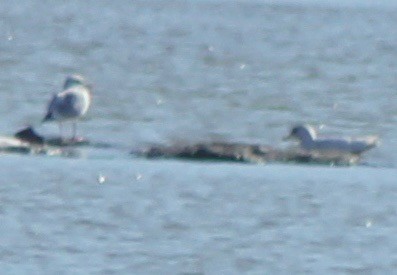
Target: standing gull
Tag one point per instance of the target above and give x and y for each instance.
(309, 141)
(71, 104)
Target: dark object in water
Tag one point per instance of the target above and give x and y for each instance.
(212, 151)
(30, 136)
(252, 153)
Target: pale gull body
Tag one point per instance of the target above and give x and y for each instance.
(309, 141)
(71, 104)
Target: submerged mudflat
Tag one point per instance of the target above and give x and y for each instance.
(28, 141)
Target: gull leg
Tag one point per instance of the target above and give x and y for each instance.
(74, 130)
(61, 131)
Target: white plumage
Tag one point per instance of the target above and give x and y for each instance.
(308, 139)
(71, 104)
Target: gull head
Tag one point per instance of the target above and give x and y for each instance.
(75, 80)
(302, 133)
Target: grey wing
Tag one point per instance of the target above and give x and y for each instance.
(341, 145)
(67, 105)
(347, 145)
(359, 146)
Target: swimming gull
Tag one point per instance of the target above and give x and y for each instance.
(71, 104)
(309, 141)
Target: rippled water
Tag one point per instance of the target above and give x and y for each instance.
(174, 72)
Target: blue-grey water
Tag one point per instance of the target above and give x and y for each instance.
(181, 72)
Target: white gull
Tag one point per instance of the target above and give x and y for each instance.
(71, 104)
(309, 141)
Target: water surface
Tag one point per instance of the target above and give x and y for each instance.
(181, 72)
